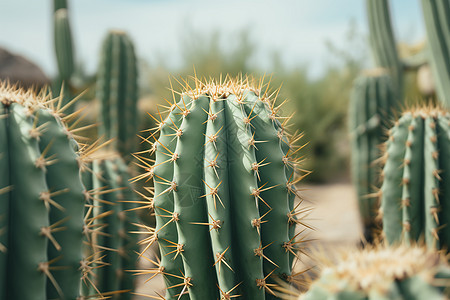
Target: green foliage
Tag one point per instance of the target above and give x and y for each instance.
(415, 196)
(383, 273)
(222, 142)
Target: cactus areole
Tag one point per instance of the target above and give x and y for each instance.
(224, 193)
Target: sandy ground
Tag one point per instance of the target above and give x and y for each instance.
(334, 217)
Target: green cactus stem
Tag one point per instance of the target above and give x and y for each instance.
(117, 91)
(224, 193)
(415, 194)
(42, 199)
(437, 17)
(382, 42)
(383, 273)
(118, 247)
(372, 107)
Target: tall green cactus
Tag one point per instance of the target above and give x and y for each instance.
(117, 91)
(437, 17)
(42, 200)
(372, 106)
(110, 176)
(415, 194)
(224, 194)
(383, 273)
(382, 42)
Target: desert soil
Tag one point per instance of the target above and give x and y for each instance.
(334, 217)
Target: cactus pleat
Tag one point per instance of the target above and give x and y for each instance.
(382, 42)
(383, 273)
(117, 92)
(415, 191)
(372, 106)
(437, 17)
(4, 198)
(221, 161)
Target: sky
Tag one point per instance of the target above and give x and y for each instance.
(297, 29)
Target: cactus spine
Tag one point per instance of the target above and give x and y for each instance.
(382, 42)
(42, 207)
(383, 273)
(117, 92)
(372, 105)
(437, 16)
(224, 194)
(415, 195)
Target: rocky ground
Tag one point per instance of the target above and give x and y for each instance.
(334, 217)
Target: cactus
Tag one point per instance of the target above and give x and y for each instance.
(64, 56)
(42, 207)
(382, 42)
(437, 16)
(117, 92)
(372, 106)
(58, 4)
(383, 273)
(110, 176)
(415, 194)
(224, 193)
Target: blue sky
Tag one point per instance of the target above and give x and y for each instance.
(297, 28)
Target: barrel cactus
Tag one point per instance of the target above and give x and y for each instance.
(415, 194)
(372, 107)
(117, 91)
(118, 248)
(224, 186)
(42, 199)
(383, 273)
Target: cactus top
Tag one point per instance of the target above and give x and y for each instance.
(374, 272)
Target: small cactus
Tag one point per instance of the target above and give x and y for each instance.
(383, 273)
(415, 194)
(224, 180)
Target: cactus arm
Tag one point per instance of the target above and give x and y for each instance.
(4, 200)
(444, 157)
(191, 207)
(431, 183)
(57, 142)
(412, 182)
(63, 45)
(393, 172)
(243, 181)
(28, 246)
(219, 206)
(164, 203)
(276, 230)
(437, 18)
